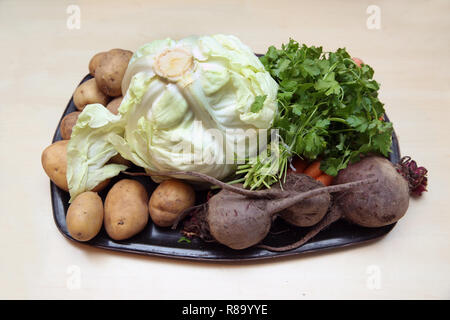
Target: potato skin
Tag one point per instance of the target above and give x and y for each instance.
(114, 105)
(54, 162)
(87, 93)
(95, 61)
(387, 199)
(110, 72)
(84, 217)
(126, 209)
(67, 123)
(169, 200)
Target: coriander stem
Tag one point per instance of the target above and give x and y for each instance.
(236, 181)
(338, 120)
(343, 130)
(303, 126)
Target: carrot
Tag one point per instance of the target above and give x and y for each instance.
(299, 165)
(313, 170)
(325, 179)
(358, 61)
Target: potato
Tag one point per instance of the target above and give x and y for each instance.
(88, 93)
(95, 61)
(110, 72)
(84, 217)
(126, 209)
(114, 105)
(169, 200)
(67, 123)
(54, 162)
(118, 159)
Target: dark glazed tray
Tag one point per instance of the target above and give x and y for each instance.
(158, 241)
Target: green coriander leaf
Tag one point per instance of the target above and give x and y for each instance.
(332, 166)
(272, 53)
(288, 85)
(311, 67)
(357, 122)
(324, 65)
(314, 145)
(297, 109)
(382, 143)
(328, 84)
(322, 123)
(283, 65)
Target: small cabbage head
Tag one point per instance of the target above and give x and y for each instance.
(188, 105)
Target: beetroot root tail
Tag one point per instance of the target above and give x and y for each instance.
(332, 216)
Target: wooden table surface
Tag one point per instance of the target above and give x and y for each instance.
(44, 56)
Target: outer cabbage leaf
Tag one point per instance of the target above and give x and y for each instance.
(89, 150)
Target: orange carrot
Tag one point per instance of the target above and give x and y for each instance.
(313, 170)
(299, 165)
(325, 179)
(358, 61)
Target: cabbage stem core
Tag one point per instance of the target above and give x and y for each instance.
(173, 63)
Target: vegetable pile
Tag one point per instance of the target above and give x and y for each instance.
(327, 160)
(328, 108)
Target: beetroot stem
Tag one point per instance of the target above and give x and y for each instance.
(279, 205)
(268, 193)
(332, 216)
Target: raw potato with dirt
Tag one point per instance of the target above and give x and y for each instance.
(88, 92)
(110, 71)
(95, 62)
(67, 124)
(169, 200)
(85, 216)
(126, 209)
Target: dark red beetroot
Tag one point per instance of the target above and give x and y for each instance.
(240, 218)
(309, 211)
(369, 205)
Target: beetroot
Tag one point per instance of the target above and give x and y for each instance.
(240, 218)
(309, 211)
(370, 205)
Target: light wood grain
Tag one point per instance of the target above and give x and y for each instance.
(42, 61)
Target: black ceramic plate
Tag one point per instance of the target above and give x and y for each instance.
(164, 242)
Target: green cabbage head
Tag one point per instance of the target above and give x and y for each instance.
(178, 97)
